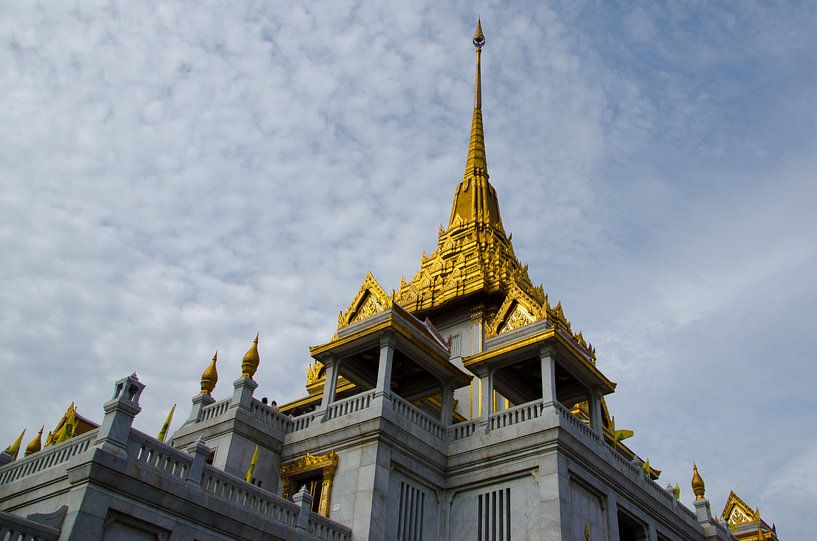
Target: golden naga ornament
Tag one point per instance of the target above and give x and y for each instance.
(698, 487)
(209, 377)
(36, 444)
(249, 364)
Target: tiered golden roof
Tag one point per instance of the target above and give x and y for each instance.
(473, 254)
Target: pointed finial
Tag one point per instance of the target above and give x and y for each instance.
(698, 487)
(251, 359)
(479, 37)
(209, 377)
(35, 444)
(163, 432)
(14, 448)
(479, 42)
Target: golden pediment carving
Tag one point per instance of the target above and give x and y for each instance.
(370, 300)
(328, 463)
(737, 512)
(517, 310)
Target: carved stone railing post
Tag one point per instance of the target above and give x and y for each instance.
(243, 389)
(303, 499)
(120, 411)
(199, 450)
(199, 402)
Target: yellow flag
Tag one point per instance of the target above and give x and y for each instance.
(252, 465)
(163, 432)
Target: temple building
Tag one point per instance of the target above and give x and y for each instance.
(461, 406)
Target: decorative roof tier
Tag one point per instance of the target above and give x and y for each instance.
(473, 254)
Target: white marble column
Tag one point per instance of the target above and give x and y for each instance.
(447, 408)
(330, 386)
(384, 365)
(487, 392)
(548, 375)
(595, 412)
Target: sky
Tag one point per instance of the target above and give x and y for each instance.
(177, 176)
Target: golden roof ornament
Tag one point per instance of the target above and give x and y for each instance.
(209, 377)
(36, 444)
(14, 449)
(249, 364)
(698, 487)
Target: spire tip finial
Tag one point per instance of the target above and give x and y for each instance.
(479, 37)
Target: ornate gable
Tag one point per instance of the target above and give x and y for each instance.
(370, 300)
(518, 310)
(737, 512)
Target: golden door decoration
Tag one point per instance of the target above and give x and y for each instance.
(326, 465)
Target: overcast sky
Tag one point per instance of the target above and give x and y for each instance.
(175, 176)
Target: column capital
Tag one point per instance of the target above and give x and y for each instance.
(329, 360)
(388, 340)
(547, 351)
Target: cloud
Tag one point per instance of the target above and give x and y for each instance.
(176, 177)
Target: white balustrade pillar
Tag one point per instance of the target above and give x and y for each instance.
(384, 366)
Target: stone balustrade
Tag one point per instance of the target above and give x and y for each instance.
(417, 417)
(349, 405)
(49, 457)
(214, 410)
(143, 449)
(323, 528)
(517, 414)
(462, 430)
(302, 422)
(270, 417)
(14, 528)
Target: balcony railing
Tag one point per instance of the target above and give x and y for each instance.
(349, 405)
(47, 458)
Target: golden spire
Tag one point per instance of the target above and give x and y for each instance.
(697, 483)
(250, 362)
(163, 432)
(35, 444)
(209, 377)
(14, 448)
(477, 162)
(475, 200)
